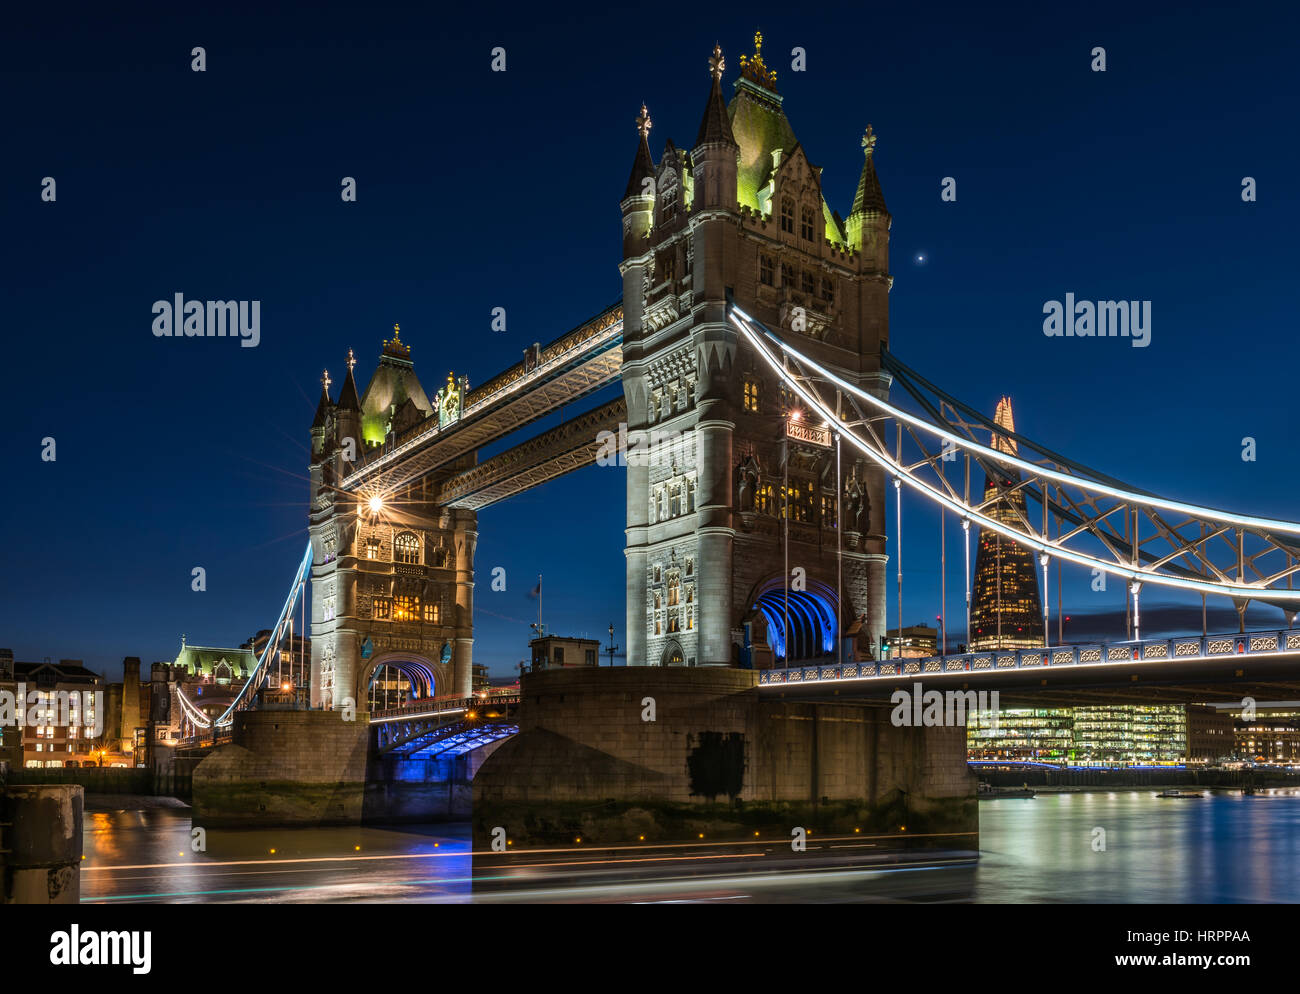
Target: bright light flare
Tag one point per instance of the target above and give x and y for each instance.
(376, 504)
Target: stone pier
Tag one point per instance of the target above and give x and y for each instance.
(716, 759)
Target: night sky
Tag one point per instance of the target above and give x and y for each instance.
(481, 189)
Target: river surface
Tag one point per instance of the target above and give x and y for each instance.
(1090, 846)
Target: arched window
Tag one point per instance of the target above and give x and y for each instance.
(807, 227)
(372, 548)
(751, 395)
(787, 215)
(406, 608)
(406, 548)
(673, 657)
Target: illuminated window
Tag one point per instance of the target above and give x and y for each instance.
(766, 270)
(674, 589)
(382, 608)
(406, 608)
(432, 613)
(787, 215)
(406, 548)
(806, 229)
(372, 548)
(751, 395)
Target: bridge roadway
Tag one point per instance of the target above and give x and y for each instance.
(575, 365)
(1185, 670)
(443, 726)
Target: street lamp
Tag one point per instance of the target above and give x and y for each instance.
(611, 648)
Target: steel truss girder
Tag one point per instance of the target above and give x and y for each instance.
(577, 365)
(1149, 549)
(572, 445)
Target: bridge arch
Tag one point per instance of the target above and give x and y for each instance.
(427, 678)
(812, 621)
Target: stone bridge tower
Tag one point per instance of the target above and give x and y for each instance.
(742, 212)
(393, 572)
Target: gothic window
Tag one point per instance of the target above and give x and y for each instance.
(787, 215)
(406, 548)
(383, 606)
(690, 567)
(751, 395)
(828, 290)
(674, 589)
(658, 575)
(673, 625)
(787, 275)
(654, 504)
(329, 609)
(440, 556)
(690, 619)
(807, 230)
(432, 613)
(372, 548)
(690, 496)
(807, 282)
(675, 502)
(828, 511)
(765, 499)
(659, 624)
(658, 604)
(766, 270)
(668, 201)
(668, 266)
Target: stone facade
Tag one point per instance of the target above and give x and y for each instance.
(742, 215)
(716, 758)
(392, 584)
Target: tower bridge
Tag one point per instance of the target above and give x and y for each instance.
(754, 330)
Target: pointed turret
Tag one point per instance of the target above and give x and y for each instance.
(715, 152)
(326, 405)
(638, 201)
(869, 201)
(715, 126)
(643, 166)
(348, 399)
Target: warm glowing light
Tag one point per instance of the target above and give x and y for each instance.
(286, 686)
(376, 504)
(272, 852)
(356, 848)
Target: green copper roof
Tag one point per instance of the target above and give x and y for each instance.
(203, 661)
(393, 383)
(760, 129)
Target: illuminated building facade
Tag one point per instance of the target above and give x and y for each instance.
(1006, 610)
(392, 575)
(913, 642)
(742, 213)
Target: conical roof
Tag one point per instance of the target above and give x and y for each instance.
(643, 166)
(715, 125)
(869, 199)
(325, 404)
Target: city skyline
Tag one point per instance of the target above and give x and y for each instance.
(201, 445)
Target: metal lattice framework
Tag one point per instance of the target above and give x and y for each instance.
(1072, 513)
(433, 737)
(572, 445)
(577, 364)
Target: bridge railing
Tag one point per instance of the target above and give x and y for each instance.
(1180, 649)
(446, 704)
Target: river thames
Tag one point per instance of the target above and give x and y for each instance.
(1089, 846)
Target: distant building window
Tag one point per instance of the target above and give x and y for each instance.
(806, 227)
(559, 654)
(766, 270)
(787, 216)
(751, 395)
(591, 657)
(372, 548)
(406, 548)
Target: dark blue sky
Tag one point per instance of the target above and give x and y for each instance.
(481, 189)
